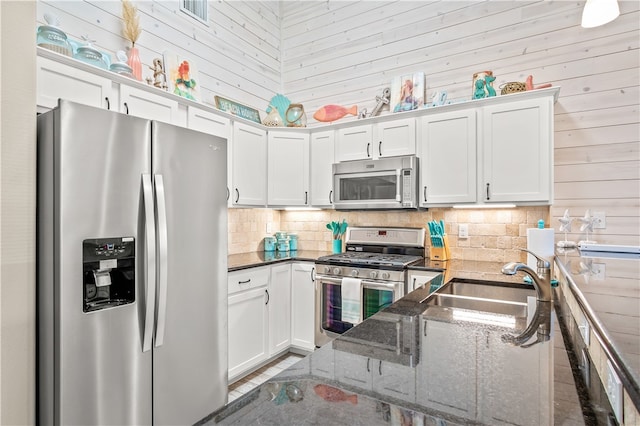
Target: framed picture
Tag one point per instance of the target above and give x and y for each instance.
(407, 92)
(237, 109)
(182, 76)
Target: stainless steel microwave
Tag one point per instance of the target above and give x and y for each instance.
(387, 183)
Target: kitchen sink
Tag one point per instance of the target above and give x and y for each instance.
(487, 302)
(516, 309)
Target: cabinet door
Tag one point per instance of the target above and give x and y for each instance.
(447, 370)
(517, 147)
(249, 165)
(354, 370)
(448, 158)
(147, 105)
(393, 138)
(419, 278)
(322, 158)
(302, 305)
(248, 320)
(398, 381)
(288, 169)
(355, 143)
(208, 122)
(279, 301)
(56, 80)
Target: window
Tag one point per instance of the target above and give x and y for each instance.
(198, 9)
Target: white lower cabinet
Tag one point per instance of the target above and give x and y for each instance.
(383, 377)
(279, 306)
(446, 374)
(302, 305)
(248, 332)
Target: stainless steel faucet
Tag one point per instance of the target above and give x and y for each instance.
(541, 278)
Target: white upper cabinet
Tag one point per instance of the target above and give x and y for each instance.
(517, 148)
(208, 122)
(371, 141)
(321, 158)
(249, 166)
(447, 151)
(394, 138)
(151, 106)
(354, 143)
(56, 80)
(288, 169)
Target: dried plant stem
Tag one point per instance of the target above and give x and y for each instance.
(132, 28)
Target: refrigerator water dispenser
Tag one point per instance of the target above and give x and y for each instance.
(108, 269)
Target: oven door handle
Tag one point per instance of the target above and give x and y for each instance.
(379, 285)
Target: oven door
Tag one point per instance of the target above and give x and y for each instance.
(376, 295)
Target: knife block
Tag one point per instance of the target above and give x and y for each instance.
(440, 253)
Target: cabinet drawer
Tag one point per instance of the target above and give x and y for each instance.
(247, 279)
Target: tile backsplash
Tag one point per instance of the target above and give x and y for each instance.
(494, 234)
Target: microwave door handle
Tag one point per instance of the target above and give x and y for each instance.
(398, 185)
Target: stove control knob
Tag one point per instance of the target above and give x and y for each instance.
(336, 271)
(327, 269)
(385, 275)
(373, 274)
(355, 273)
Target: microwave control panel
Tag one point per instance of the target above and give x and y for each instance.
(406, 188)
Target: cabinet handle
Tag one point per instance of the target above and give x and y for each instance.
(414, 284)
(237, 195)
(267, 302)
(488, 198)
(245, 281)
(126, 107)
(330, 195)
(425, 194)
(108, 103)
(380, 148)
(313, 274)
(305, 197)
(228, 193)
(368, 369)
(380, 368)
(425, 328)
(368, 145)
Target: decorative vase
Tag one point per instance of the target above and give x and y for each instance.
(337, 246)
(134, 63)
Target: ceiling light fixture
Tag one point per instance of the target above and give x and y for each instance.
(599, 12)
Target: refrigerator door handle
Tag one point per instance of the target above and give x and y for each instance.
(150, 261)
(161, 215)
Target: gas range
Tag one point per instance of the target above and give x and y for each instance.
(376, 260)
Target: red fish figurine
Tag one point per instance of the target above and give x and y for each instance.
(331, 394)
(334, 112)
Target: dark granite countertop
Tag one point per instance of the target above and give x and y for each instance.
(463, 373)
(608, 288)
(239, 261)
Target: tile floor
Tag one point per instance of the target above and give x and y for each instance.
(255, 379)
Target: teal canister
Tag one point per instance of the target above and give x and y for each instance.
(269, 243)
(293, 242)
(282, 244)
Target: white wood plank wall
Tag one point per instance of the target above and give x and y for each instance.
(344, 52)
(237, 55)
(340, 52)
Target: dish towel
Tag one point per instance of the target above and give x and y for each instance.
(351, 300)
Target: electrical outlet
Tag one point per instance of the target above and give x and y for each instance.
(601, 220)
(463, 230)
(614, 391)
(598, 271)
(269, 227)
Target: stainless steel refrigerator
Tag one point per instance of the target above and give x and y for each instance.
(132, 263)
